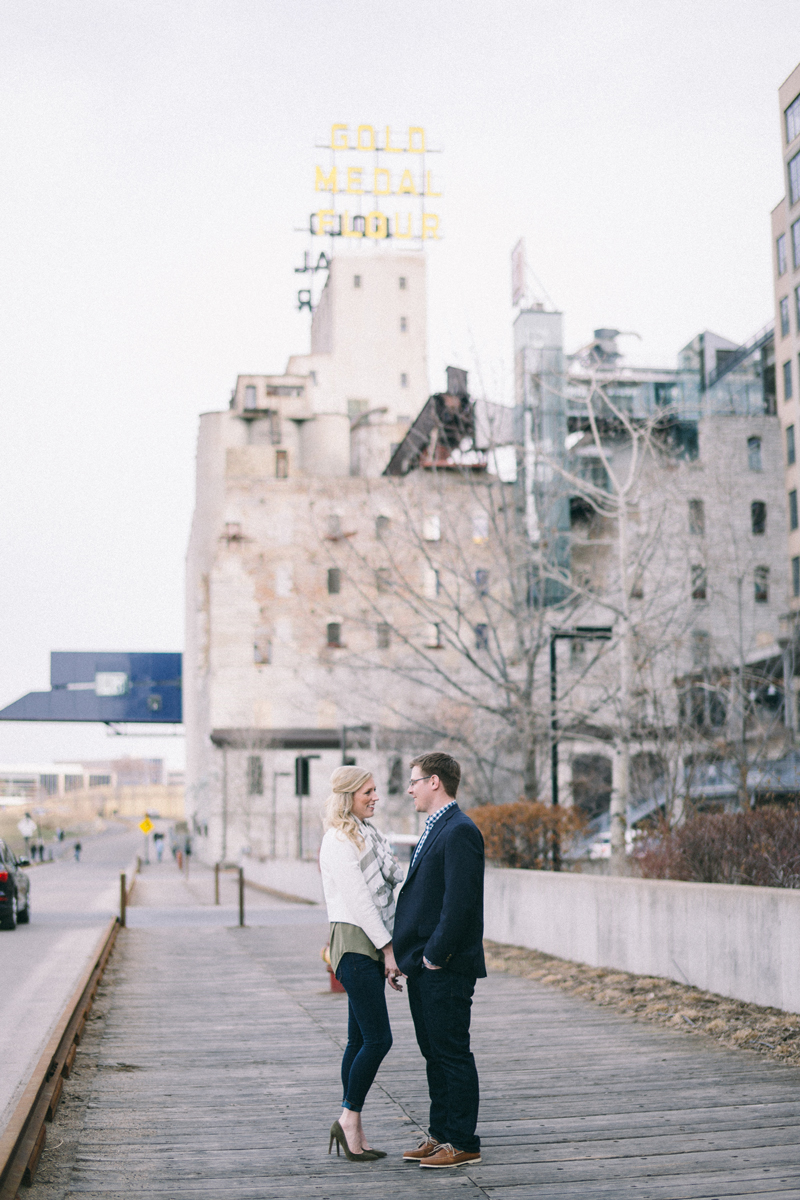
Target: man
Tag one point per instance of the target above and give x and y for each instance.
(438, 944)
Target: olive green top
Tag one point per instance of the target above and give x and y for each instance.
(350, 939)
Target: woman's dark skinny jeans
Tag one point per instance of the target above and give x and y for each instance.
(369, 1037)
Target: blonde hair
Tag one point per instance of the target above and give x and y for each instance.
(338, 808)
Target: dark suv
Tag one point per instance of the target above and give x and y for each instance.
(14, 889)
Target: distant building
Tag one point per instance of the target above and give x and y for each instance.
(786, 273)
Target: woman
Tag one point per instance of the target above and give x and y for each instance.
(359, 874)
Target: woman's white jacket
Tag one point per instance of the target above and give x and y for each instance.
(347, 896)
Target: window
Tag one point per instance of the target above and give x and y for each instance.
(787, 380)
(758, 516)
(790, 451)
(255, 776)
(796, 576)
(794, 179)
(792, 115)
(793, 509)
(431, 529)
(780, 246)
(431, 583)
(699, 583)
(334, 581)
(384, 636)
(481, 637)
(49, 784)
(701, 644)
(783, 308)
(402, 282)
(262, 650)
(356, 281)
(395, 786)
(403, 380)
(796, 244)
(797, 308)
(482, 582)
(433, 637)
(697, 517)
(334, 633)
(382, 525)
(281, 464)
(74, 783)
(480, 528)
(383, 579)
(99, 781)
(250, 396)
(754, 453)
(334, 527)
(762, 585)
(403, 325)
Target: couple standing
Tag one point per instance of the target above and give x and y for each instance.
(433, 936)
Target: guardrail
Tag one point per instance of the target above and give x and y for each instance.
(23, 1139)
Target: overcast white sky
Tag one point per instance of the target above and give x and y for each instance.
(156, 157)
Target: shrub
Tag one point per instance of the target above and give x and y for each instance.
(521, 834)
(760, 847)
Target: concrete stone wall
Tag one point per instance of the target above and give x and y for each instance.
(742, 942)
(290, 877)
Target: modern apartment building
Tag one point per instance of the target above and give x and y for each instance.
(786, 270)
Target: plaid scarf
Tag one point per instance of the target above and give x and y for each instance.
(381, 871)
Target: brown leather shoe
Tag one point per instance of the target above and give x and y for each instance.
(447, 1156)
(424, 1150)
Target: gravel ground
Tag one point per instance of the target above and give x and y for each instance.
(766, 1031)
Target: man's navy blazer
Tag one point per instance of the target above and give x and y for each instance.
(440, 905)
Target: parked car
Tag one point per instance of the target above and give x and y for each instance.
(15, 889)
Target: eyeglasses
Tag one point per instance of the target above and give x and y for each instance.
(414, 782)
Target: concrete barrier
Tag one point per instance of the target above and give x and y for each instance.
(296, 879)
(742, 942)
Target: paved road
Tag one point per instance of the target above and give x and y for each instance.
(41, 962)
(211, 1070)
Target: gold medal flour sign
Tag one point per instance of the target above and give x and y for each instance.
(377, 184)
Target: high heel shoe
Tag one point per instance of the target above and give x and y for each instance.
(338, 1136)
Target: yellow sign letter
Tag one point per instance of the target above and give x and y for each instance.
(323, 182)
(377, 226)
(429, 186)
(354, 180)
(383, 175)
(346, 230)
(324, 222)
(365, 131)
(406, 187)
(389, 147)
(416, 140)
(430, 225)
(338, 137)
(397, 231)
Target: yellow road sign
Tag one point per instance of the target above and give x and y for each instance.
(146, 825)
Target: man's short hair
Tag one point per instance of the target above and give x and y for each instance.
(444, 766)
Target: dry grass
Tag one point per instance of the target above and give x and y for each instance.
(767, 1031)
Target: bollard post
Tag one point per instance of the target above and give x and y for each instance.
(241, 897)
(216, 883)
(123, 899)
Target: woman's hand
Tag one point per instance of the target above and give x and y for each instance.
(391, 969)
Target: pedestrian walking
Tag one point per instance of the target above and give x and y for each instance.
(438, 940)
(359, 874)
(158, 838)
(76, 850)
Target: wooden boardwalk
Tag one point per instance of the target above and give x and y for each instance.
(215, 1074)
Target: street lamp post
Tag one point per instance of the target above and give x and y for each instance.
(583, 633)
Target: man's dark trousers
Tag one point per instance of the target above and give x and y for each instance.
(440, 1006)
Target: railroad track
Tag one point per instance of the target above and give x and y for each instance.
(24, 1138)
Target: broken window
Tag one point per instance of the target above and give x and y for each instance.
(758, 516)
(699, 583)
(255, 776)
(384, 632)
(762, 585)
(697, 517)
